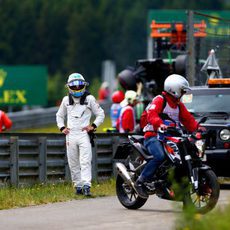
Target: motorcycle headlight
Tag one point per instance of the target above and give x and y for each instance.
(200, 144)
(225, 134)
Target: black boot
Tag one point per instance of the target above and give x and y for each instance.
(141, 189)
(79, 191)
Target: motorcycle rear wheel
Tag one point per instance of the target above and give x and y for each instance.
(205, 199)
(127, 195)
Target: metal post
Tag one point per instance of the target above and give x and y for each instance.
(149, 47)
(42, 159)
(190, 70)
(14, 167)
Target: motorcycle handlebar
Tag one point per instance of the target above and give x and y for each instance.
(177, 132)
(170, 131)
(198, 135)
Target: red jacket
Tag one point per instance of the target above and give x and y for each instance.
(126, 121)
(5, 122)
(156, 108)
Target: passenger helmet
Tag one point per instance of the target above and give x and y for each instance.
(176, 85)
(76, 84)
(118, 96)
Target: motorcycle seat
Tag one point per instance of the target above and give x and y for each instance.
(139, 138)
(141, 148)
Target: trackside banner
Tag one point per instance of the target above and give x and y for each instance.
(23, 85)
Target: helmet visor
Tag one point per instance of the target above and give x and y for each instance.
(77, 85)
(185, 90)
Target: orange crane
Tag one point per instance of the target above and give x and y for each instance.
(176, 32)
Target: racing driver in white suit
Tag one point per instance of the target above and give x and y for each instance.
(78, 107)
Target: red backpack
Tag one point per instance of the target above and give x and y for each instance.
(143, 118)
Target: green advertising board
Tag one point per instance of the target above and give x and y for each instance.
(214, 26)
(23, 85)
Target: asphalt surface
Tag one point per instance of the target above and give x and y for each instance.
(97, 213)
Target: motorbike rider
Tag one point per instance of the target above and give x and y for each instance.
(127, 120)
(117, 97)
(78, 107)
(175, 86)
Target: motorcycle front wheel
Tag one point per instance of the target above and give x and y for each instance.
(205, 199)
(127, 195)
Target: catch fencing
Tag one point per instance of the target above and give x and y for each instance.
(29, 158)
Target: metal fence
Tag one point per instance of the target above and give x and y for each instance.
(28, 158)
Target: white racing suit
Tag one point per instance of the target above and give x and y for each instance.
(79, 151)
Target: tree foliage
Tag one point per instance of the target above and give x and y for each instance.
(76, 35)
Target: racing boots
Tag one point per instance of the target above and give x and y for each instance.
(79, 190)
(86, 190)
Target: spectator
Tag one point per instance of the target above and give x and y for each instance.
(104, 91)
(127, 119)
(5, 122)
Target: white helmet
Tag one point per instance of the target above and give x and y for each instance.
(104, 85)
(130, 97)
(176, 85)
(76, 84)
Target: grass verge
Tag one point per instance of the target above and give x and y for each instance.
(49, 193)
(216, 220)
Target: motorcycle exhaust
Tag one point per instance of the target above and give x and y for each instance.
(122, 171)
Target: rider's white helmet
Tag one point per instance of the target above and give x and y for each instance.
(176, 85)
(76, 84)
(130, 97)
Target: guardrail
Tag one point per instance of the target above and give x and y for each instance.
(41, 116)
(28, 158)
(33, 118)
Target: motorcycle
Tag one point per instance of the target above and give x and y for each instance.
(181, 177)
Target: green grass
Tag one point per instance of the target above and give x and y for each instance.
(215, 220)
(49, 193)
(11, 197)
